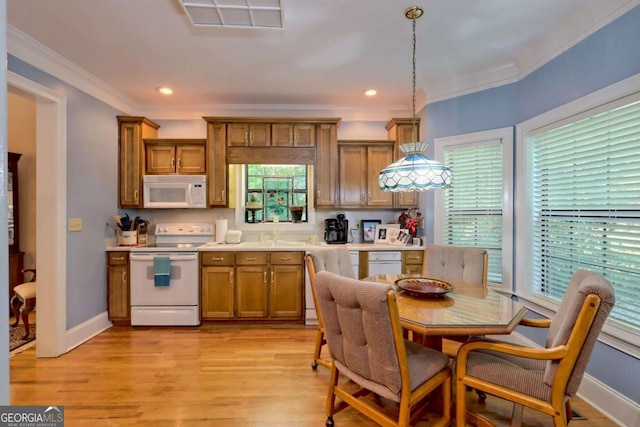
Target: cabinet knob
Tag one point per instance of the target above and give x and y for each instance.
(173, 163)
(135, 196)
(179, 163)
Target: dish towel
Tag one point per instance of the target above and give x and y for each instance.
(161, 270)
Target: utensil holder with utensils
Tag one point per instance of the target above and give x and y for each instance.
(128, 238)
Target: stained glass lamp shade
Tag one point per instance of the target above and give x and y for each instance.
(414, 171)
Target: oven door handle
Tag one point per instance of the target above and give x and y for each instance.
(172, 256)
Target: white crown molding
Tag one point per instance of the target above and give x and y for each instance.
(36, 54)
(346, 113)
(473, 82)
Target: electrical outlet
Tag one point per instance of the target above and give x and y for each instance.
(75, 224)
(357, 224)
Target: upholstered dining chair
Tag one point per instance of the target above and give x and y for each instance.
(23, 300)
(365, 341)
(336, 260)
(540, 378)
(468, 264)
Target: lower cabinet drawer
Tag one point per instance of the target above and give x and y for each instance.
(251, 258)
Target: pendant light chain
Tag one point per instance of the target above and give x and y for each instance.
(414, 171)
(414, 135)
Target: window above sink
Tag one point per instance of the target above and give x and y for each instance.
(273, 189)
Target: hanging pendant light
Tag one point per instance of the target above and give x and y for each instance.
(414, 171)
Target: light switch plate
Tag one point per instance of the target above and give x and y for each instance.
(75, 224)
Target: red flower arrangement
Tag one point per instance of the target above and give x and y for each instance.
(411, 219)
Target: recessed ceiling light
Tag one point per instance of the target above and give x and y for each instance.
(164, 90)
(370, 92)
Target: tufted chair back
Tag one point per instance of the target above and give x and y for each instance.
(541, 378)
(358, 329)
(582, 284)
(363, 331)
(468, 264)
(336, 260)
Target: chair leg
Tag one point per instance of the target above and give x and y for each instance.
(516, 416)
(320, 341)
(25, 320)
(15, 301)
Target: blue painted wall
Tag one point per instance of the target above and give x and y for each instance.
(606, 57)
(92, 183)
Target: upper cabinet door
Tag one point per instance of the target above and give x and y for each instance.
(353, 175)
(175, 156)
(191, 159)
(378, 158)
(293, 135)
(248, 134)
(131, 162)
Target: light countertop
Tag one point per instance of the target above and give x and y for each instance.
(287, 246)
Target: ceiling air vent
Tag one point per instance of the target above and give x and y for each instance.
(234, 13)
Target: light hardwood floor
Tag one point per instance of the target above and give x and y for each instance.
(213, 375)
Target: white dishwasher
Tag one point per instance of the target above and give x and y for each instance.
(385, 262)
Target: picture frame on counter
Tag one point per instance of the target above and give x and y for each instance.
(398, 236)
(382, 233)
(368, 227)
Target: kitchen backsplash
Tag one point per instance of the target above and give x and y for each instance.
(287, 231)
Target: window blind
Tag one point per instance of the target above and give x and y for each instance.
(584, 183)
(473, 204)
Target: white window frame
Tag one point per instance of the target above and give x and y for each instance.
(240, 196)
(615, 334)
(479, 138)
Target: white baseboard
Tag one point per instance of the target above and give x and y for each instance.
(85, 331)
(615, 406)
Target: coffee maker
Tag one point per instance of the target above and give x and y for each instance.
(336, 229)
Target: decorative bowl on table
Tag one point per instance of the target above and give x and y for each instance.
(424, 287)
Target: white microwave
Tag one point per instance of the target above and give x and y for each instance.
(174, 191)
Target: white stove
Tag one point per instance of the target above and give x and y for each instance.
(180, 237)
(156, 301)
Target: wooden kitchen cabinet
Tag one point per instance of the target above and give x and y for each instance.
(285, 289)
(412, 262)
(326, 167)
(359, 164)
(293, 135)
(252, 288)
(118, 306)
(217, 170)
(217, 284)
(401, 131)
(175, 156)
(269, 140)
(132, 132)
(252, 285)
(249, 134)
